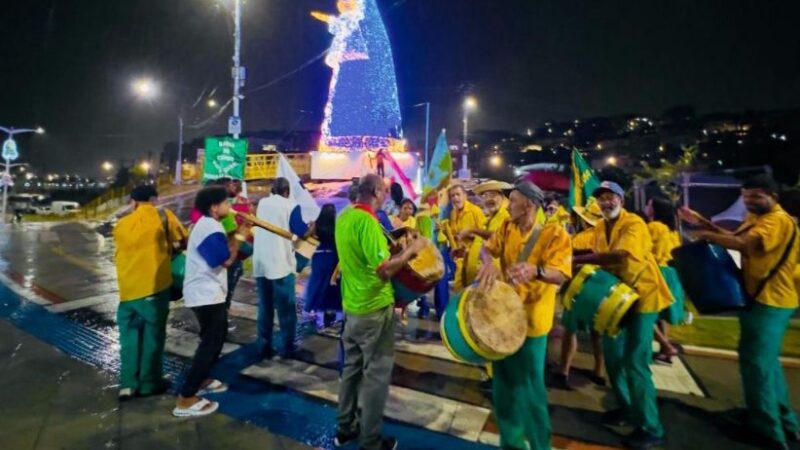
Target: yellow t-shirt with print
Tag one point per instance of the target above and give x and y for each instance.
(142, 256)
(774, 231)
(639, 269)
(552, 250)
(664, 241)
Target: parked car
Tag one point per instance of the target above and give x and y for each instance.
(62, 208)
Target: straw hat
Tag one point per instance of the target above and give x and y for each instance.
(590, 213)
(492, 185)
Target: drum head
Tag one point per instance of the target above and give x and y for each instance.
(497, 318)
(428, 264)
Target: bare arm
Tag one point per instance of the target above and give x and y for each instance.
(393, 265)
(744, 243)
(601, 259)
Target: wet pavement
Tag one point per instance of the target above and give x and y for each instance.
(59, 364)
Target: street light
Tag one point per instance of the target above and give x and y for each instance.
(470, 104)
(11, 153)
(145, 165)
(147, 89)
(427, 106)
(107, 166)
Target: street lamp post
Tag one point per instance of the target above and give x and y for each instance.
(427, 106)
(235, 121)
(10, 153)
(469, 104)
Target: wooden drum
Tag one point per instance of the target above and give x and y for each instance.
(478, 327)
(421, 274)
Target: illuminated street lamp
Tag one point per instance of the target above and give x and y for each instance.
(147, 89)
(470, 104)
(107, 166)
(11, 153)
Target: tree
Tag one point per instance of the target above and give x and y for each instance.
(665, 175)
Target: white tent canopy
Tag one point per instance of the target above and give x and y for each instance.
(735, 213)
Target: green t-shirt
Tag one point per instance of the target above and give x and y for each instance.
(362, 248)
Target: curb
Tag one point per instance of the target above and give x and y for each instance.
(730, 355)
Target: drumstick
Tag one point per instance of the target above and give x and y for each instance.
(267, 226)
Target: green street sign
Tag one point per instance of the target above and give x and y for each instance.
(224, 157)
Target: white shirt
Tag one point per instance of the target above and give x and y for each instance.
(206, 279)
(273, 256)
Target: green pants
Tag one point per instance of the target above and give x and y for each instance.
(519, 397)
(765, 392)
(628, 359)
(142, 333)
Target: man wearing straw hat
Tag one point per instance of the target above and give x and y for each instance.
(536, 259)
(494, 206)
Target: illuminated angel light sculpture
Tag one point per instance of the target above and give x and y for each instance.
(363, 110)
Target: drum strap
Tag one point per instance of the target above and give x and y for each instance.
(763, 283)
(526, 251)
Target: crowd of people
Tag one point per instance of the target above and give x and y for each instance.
(518, 235)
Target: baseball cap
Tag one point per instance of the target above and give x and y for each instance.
(609, 186)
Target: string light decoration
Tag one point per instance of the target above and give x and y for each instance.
(363, 110)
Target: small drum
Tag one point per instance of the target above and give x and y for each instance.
(598, 299)
(421, 274)
(710, 277)
(479, 327)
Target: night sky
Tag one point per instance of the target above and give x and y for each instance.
(67, 65)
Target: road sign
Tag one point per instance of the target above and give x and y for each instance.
(234, 125)
(224, 157)
(10, 149)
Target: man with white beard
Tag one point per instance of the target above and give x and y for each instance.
(623, 247)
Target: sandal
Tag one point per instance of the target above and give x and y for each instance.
(214, 387)
(199, 409)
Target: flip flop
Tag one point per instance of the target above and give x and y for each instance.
(215, 387)
(196, 410)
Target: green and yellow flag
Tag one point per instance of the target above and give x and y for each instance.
(582, 179)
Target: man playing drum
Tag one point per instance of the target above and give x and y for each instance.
(624, 248)
(536, 259)
(770, 248)
(465, 216)
(368, 303)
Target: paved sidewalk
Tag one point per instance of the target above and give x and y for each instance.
(49, 400)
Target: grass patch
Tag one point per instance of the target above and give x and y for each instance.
(724, 334)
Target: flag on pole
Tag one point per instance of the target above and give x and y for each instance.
(440, 171)
(582, 179)
(308, 206)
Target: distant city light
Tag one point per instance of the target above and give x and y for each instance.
(496, 161)
(107, 166)
(529, 132)
(599, 146)
(212, 103)
(611, 161)
(145, 166)
(661, 148)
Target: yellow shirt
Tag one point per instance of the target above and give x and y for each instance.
(494, 222)
(411, 222)
(774, 230)
(583, 240)
(470, 217)
(552, 251)
(639, 270)
(142, 256)
(664, 241)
